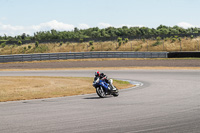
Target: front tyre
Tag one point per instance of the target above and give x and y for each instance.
(100, 92)
(116, 92)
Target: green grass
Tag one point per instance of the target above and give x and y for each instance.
(121, 82)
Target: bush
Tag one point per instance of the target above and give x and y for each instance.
(176, 36)
(36, 44)
(119, 39)
(191, 36)
(166, 39)
(3, 44)
(15, 45)
(120, 43)
(81, 40)
(158, 39)
(126, 40)
(91, 43)
(92, 48)
(42, 49)
(179, 39)
(19, 42)
(156, 43)
(173, 39)
(29, 47)
(61, 43)
(143, 39)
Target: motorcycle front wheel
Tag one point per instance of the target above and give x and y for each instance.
(100, 92)
(116, 93)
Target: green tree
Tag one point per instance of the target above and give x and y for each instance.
(125, 30)
(23, 36)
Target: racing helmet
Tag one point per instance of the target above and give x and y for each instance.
(97, 73)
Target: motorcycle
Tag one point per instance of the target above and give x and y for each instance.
(103, 89)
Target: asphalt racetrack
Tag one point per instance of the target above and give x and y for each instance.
(166, 101)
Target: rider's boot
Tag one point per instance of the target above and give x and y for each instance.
(113, 88)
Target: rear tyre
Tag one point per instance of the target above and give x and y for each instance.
(100, 92)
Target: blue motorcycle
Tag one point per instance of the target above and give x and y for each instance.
(103, 89)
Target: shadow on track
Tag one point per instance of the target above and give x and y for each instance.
(97, 97)
(92, 98)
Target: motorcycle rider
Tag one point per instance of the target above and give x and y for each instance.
(103, 77)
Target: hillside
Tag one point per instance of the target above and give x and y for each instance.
(168, 44)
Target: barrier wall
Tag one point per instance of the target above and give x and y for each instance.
(183, 54)
(81, 55)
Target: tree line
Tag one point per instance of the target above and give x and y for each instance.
(102, 33)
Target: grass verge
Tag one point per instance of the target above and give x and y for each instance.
(26, 88)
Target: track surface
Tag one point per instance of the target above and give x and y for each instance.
(168, 101)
